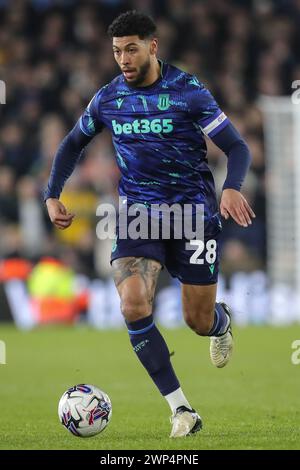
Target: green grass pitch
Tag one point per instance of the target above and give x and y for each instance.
(253, 403)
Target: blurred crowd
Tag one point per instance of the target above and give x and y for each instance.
(54, 55)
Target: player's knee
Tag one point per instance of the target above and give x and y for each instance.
(134, 309)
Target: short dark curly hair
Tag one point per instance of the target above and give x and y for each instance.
(132, 23)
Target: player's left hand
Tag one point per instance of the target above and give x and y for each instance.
(233, 204)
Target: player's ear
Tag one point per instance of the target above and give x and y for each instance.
(153, 46)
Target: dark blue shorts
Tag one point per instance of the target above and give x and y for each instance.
(192, 262)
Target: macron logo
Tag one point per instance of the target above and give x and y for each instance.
(143, 126)
(119, 102)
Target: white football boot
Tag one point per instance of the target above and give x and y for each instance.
(185, 422)
(221, 346)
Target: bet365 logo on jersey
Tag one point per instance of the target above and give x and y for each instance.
(143, 126)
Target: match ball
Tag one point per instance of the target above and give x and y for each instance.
(84, 410)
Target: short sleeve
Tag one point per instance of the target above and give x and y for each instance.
(89, 122)
(204, 108)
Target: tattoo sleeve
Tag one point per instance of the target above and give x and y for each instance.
(147, 269)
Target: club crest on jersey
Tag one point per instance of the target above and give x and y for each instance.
(163, 102)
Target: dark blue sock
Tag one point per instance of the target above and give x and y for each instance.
(220, 321)
(152, 351)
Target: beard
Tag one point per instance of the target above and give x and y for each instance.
(141, 75)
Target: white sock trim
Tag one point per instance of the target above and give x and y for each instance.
(176, 399)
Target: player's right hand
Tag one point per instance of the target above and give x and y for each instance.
(58, 214)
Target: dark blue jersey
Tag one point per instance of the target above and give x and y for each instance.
(158, 134)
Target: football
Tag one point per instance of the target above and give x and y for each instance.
(84, 410)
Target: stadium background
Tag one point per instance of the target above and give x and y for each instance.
(53, 56)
